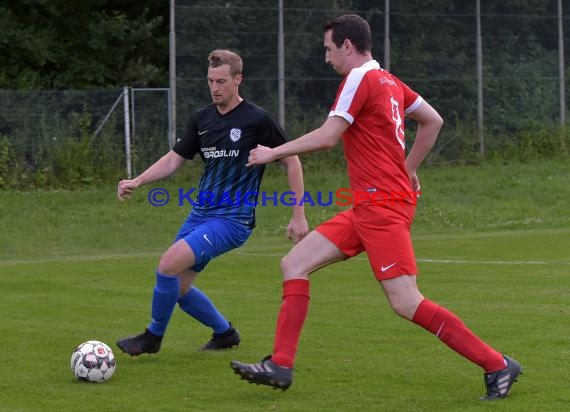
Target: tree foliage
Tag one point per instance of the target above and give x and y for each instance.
(58, 44)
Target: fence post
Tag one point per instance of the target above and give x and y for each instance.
(126, 110)
(172, 76)
(281, 65)
(561, 80)
(479, 54)
(386, 62)
(562, 92)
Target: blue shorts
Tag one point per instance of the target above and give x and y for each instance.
(209, 237)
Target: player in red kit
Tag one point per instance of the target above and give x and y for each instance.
(368, 114)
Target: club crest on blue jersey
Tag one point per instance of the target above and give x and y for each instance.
(235, 135)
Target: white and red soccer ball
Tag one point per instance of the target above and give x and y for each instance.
(93, 361)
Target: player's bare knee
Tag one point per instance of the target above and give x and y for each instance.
(166, 266)
(287, 266)
(292, 269)
(403, 308)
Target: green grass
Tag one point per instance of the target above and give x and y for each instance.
(492, 244)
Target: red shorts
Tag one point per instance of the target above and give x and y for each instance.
(382, 231)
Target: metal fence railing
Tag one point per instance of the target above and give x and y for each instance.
(497, 68)
(72, 137)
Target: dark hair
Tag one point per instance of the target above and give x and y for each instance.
(353, 28)
(219, 57)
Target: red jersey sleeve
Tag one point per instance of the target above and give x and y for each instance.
(411, 99)
(351, 96)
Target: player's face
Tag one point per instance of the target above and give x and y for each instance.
(333, 55)
(223, 86)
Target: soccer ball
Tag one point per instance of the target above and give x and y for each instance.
(93, 361)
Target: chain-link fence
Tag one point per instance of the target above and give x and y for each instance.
(432, 46)
(150, 109)
(69, 138)
(52, 138)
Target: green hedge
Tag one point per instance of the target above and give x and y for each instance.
(78, 159)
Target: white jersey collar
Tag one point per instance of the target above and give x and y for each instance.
(371, 64)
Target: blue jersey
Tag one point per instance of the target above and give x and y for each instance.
(227, 187)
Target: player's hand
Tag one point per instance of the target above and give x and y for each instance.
(260, 155)
(297, 229)
(415, 183)
(125, 189)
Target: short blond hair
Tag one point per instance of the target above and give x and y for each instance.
(219, 57)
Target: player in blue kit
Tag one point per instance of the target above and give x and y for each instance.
(222, 219)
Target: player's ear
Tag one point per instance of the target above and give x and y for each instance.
(238, 79)
(347, 45)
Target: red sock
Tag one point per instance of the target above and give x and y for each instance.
(452, 331)
(292, 314)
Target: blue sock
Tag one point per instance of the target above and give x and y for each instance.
(200, 307)
(163, 301)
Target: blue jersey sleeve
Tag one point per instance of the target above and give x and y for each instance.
(188, 145)
(275, 135)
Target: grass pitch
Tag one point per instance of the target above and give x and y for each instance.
(79, 266)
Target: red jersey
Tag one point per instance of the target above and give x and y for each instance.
(374, 102)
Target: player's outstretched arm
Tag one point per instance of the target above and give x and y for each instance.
(325, 137)
(162, 168)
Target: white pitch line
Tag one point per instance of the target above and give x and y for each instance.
(87, 258)
(489, 262)
(447, 261)
(77, 258)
